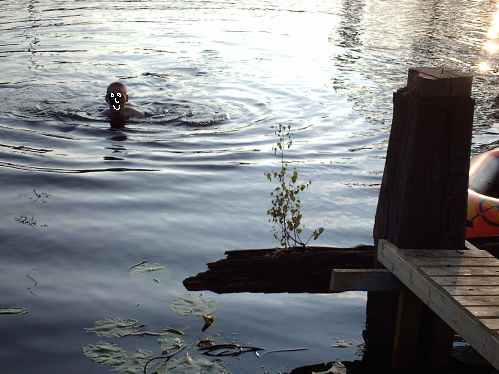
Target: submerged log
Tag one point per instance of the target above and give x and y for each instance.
(279, 271)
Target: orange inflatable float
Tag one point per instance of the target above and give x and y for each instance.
(483, 196)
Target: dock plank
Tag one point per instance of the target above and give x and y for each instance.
(472, 290)
(456, 261)
(454, 310)
(469, 245)
(478, 300)
(363, 280)
(484, 311)
(467, 280)
(428, 253)
(491, 323)
(460, 270)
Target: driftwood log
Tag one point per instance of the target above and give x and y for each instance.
(280, 271)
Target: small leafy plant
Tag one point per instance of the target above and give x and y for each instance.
(285, 213)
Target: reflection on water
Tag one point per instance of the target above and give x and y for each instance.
(31, 34)
(348, 41)
(117, 123)
(491, 46)
(184, 184)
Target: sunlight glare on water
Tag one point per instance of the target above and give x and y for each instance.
(491, 45)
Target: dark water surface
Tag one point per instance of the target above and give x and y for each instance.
(82, 202)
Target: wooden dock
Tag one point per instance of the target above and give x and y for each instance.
(461, 287)
(417, 298)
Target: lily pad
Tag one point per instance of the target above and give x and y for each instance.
(193, 304)
(116, 328)
(117, 358)
(146, 267)
(173, 331)
(337, 368)
(192, 365)
(13, 311)
(170, 341)
(340, 343)
(206, 343)
(208, 321)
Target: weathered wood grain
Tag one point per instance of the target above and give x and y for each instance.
(273, 271)
(466, 280)
(456, 261)
(422, 200)
(470, 250)
(482, 300)
(491, 323)
(363, 280)
(432, 82)
(472, 290)
(460, 270)
(484, 311)
(454, 310)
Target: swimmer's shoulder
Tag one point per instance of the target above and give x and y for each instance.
(131, 112)
(105, 113)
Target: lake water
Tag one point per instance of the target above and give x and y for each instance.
(82, 202)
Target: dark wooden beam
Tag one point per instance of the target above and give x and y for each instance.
(422, 204)
(363, 280)
(271, 271)
(422, 201)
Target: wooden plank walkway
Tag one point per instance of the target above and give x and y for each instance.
(461, 287)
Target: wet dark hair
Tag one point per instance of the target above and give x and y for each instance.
(117, 85)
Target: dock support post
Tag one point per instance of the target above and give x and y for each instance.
(422, 204)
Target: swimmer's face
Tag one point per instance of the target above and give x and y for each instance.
(116, 99)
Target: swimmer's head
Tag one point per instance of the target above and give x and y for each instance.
(117, 97)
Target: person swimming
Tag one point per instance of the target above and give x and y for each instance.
(117, 99)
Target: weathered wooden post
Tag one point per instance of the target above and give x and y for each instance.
(422, 204)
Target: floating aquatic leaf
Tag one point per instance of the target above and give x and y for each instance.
(208, 321)
(192, 304)
(172, 330)
(318, 232)
(342, 344)
(39, 196)
(25, 220)
(192, 365)
(116, 328)
(205, 343)
(117, 358)
(337, 368)
(146, 267)
(17, 311)
(228, 349)
(170, 342)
